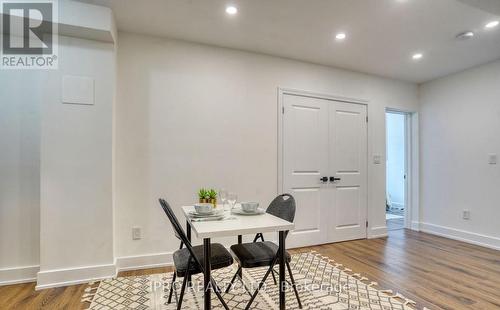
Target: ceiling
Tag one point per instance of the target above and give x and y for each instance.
(382, 35)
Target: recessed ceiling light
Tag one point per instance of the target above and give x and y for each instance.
(231, 10)
(340, 36)
(492, 24)
(417, 56)
(465, 35)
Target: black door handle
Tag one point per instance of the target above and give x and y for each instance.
(333, 179)
(324, 179)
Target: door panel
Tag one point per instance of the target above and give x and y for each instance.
(307, 219)
(305, 137)
(325, 138)
(348, 158)
(347, 215)
(346, 130)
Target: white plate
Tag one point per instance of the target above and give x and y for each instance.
(216, 213)
(238, 210)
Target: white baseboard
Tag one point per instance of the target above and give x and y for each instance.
(18, 275)
(461, 235)
(377, 232)
(72, 276)
(415, 226)
(144, 261)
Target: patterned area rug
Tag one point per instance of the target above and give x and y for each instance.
(322, 284)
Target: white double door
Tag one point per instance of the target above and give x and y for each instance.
(322, 140)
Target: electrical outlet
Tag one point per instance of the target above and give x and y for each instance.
(136, 233)
(466, 215)
(377, 159)
(492, 159)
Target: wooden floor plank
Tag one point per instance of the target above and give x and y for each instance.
(436, 272)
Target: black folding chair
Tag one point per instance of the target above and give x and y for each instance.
(264, 253)
(189, 260)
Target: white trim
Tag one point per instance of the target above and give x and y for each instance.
(17, 275)
(304, 93)
(415, 226)
(461, 235)
(281, 92)
(138, 262)
(413, 176)
(407, 204)
(72, 276)
(377, 232)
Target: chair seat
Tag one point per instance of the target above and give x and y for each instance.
(256, 254)
(220, 258)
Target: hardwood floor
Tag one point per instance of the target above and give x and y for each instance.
(437, 273)
(394, 224)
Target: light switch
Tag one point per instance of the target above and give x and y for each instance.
(78, 90)
(492, 159)
(466, 214)
(136, 233)
(377, 159)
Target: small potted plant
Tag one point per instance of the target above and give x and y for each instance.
(202, 194)
(212, 197)
(208, 196)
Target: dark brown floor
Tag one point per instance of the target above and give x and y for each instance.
(436, 272)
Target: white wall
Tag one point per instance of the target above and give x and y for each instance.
(459, 127)
(56, 220)
(19, 174)
(191, 115)
(76, 169)
(395, 159)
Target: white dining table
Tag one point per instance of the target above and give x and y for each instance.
(237, 225)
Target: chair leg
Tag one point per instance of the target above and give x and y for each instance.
(243, 284)
(274, 277)
(232, 280)
(261, 283)
(257, 236)
(184, 283)
(293, 284)
(171, 288)
(216, 289)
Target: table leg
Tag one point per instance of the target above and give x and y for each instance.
(207, 253)
(240, 241)
(281, 255)
(188, 235)
(188, 231)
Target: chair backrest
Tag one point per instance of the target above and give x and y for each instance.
(179, 232)
(283, 207)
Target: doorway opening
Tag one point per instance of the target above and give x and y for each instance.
(396, 169)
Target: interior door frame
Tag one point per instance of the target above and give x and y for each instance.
(411, 220)
(282, 91)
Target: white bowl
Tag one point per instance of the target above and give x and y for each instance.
(204, 208)
(249, 206)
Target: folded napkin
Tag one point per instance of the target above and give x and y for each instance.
(209, 219)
